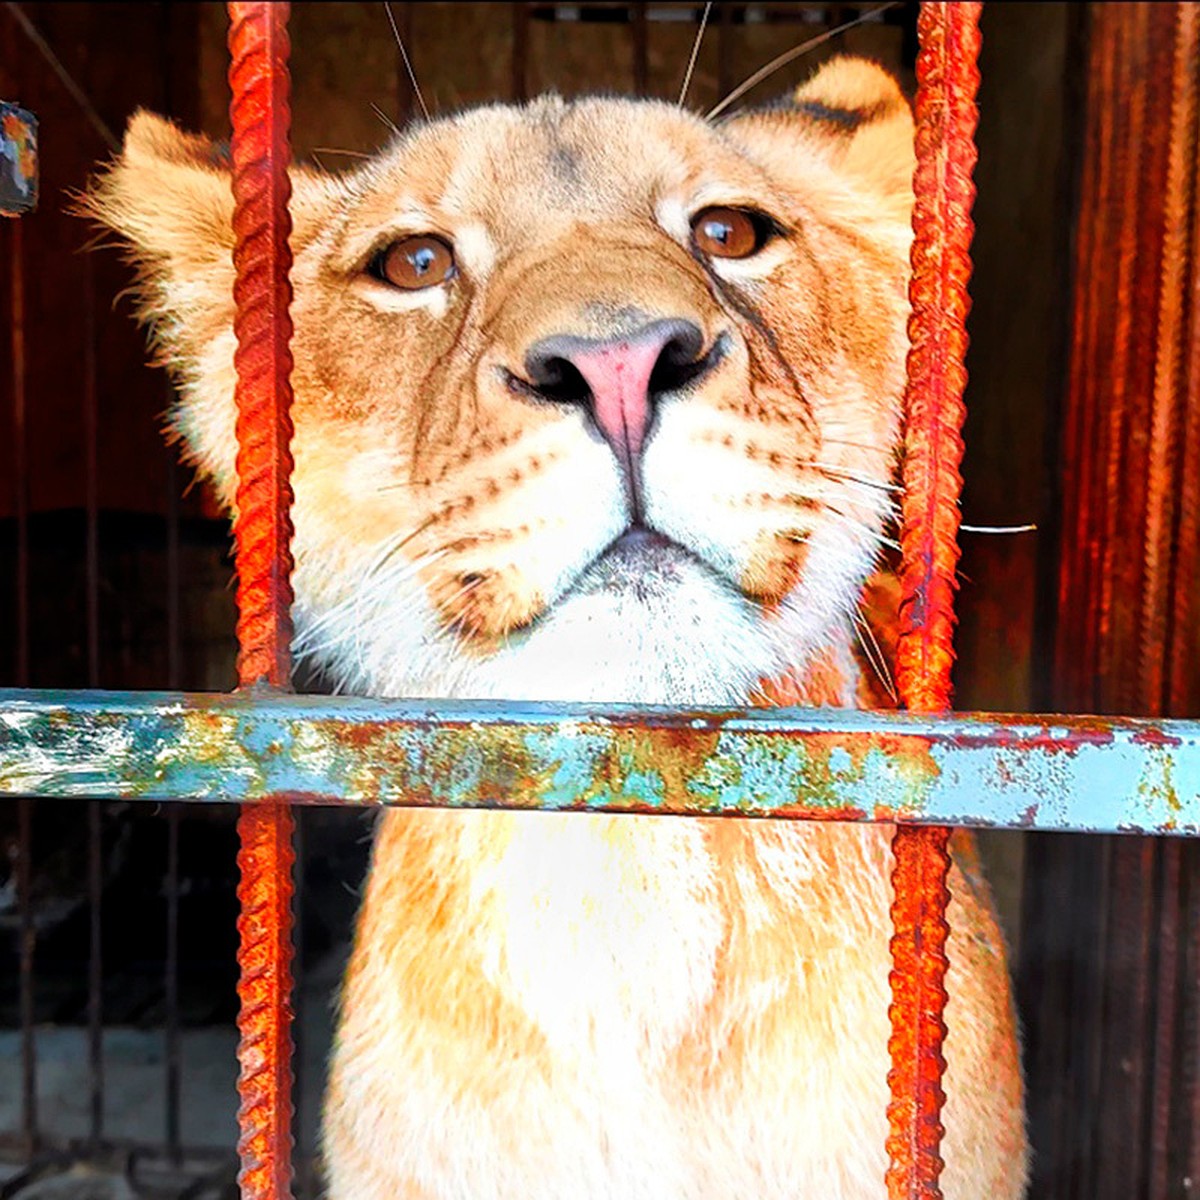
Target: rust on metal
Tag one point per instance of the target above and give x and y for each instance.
(1082, 774)
(260, 118)
(946, 116)
(918, 1004)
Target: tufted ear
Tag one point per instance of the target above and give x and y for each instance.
(168, 194)
(854, 115)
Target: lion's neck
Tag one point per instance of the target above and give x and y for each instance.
(579, 922)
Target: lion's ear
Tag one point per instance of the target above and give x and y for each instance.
(854, 114)
(169, 195)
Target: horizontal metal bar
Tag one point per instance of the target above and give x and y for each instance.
(1094, 774)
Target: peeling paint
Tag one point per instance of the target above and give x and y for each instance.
(1031, 772)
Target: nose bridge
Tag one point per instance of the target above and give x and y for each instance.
(596, 284)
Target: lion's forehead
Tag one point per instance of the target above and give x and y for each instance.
(516, 167)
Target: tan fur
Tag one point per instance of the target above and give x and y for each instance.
(552, 1006)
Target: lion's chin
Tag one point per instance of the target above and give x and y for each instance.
(642, 566)
(647, 622)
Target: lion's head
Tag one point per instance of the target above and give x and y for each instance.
(594, 400)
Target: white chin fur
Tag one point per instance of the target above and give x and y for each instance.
(686, 639)
(648, 624)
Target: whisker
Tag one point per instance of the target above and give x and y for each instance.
(374, 581)
(788, 56)
(335, 150)
(687, 76)
(385, 118)
(874, 653)
(862, 527)
(853, 477)
(412, 78)
(404, 541)
(998, 528)
(832, 441)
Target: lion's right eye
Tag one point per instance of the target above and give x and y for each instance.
(723, 232)
(422, 261)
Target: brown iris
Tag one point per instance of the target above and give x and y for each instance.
(728, 232)
(415, 262)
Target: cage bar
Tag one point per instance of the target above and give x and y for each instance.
(946, 116)
(260, 117)
(1063, 774)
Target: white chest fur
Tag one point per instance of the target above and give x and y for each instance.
(638, 1008)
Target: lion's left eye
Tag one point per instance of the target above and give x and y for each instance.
(414, 263)
(723, 232)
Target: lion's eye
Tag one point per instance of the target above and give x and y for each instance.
(729, 232)
(415, 262)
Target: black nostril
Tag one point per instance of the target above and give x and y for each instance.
(680, 360)
(551, 371)
(554, 376)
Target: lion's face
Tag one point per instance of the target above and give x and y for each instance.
(594, 400)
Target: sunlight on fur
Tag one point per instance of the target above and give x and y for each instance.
(598, 401)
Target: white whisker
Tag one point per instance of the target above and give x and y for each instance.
(788, 56)
(842, 473)
(998, 528)
(864, 528)
(412, 77)
(335, 150)
(687, 76)
(874, 652)
(385, 118)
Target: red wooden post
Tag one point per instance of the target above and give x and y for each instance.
(259, 82)
(947, 79)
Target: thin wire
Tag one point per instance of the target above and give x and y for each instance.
(412, 78)
(687, 78)
(788, 55)
(65, 78)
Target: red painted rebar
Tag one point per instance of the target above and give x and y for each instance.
(946, 116)
(259, 112)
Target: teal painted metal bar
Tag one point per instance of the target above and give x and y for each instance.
(1086, 774)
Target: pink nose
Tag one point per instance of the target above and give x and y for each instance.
(618, 378)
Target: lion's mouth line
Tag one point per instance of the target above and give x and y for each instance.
(641, 565)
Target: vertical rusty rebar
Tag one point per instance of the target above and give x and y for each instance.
(1180, 684)
(946, 116)
(260, 117)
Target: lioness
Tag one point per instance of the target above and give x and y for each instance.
(599, 401)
